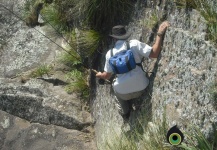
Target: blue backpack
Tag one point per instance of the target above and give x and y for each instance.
(122, 62)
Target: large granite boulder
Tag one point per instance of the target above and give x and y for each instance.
(36, 113)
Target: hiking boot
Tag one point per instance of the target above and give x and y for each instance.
(126, 117)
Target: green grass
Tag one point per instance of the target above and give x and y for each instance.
(78, 83)
(26, 10)
(71, 60)
(77, 77)
(101, 15)
(83, 43)
(41, 70)
(154, 134)
(154, 138)
(86, 41)
(52, 16)
(196, 140)
(143, 135)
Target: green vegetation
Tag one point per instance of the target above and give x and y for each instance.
(72, 59)
(52, 16)
(29, 4)
(144, 134)
(151, 135)
(86, 41)
(27, 7)
(86, 23)
(197, 141)
(207, 11)
(102, 15)
(151, 20)
(96, 14)
(154, 138)
(40, 71)
(78, 83)
(77, 77)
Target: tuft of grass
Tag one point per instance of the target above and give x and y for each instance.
(72, 60)
(28, 4)
(40, 71)
(52, 16)
(78, 83)
(86, 41)
(121, 143)
(26, 10)
(196, 140)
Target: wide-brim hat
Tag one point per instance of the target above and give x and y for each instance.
(119, 32)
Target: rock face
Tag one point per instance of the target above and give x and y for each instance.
(36, 113)
(184, 73)
(19, 134)
(39, 114)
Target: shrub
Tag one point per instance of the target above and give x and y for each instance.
(101, 15)
(86, 41)
(55, 18)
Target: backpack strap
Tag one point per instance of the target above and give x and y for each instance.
(138, 64)
(111, 52)
(116, 69)
(128, 47)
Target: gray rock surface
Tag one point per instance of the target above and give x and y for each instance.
(36, 113)
(183, 75)
(39, 114)
(19, 134)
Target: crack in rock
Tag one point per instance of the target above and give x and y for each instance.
(35, 106)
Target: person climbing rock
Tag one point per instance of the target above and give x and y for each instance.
(131, 80)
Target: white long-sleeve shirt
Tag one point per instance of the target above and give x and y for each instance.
(134, 80)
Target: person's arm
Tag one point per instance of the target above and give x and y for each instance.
(104, 75)
(156, 48)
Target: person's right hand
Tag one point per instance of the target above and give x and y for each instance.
(163, 27)
(99, 74)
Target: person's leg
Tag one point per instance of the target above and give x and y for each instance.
(124, 103)
(122, 106)
(134, 102)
